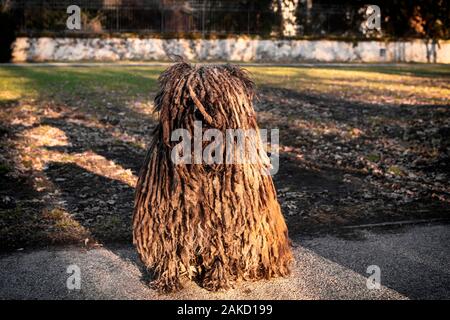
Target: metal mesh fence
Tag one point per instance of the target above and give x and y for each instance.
(146, 16)
(220, 17)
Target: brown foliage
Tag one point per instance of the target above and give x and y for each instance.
(217, 223)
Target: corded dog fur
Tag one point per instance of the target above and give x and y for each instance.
(214, 223)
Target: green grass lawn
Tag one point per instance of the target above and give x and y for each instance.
(358, 144)
(129, 82)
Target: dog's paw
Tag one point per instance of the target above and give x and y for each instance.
(166, 285)
(216, 279)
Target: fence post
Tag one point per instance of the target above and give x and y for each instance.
(117, 18)
(248, 20)
(203, 19)
(162, 18)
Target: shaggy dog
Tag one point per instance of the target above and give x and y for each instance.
(214, 223)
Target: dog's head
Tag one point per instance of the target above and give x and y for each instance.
(220, 96)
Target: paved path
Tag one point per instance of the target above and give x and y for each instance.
(414, 263)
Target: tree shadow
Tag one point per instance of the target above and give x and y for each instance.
(331, 148)
(313, 192)
(412, 259)
(83, 138)
(323, 187)
(101, 205)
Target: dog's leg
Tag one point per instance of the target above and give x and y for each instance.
(216, 278)
(168, 281)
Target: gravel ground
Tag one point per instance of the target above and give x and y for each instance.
(413, 262)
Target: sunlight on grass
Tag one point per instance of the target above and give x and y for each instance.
(63, 226)
(13, 87)
(78, 135)
(368, 85)
(35, 151)
(101, 85)
(60, 82)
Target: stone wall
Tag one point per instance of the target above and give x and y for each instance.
(236, 49)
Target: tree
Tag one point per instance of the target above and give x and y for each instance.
(7, 35)
(287, 11)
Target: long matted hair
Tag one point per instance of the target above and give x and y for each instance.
(214, 223)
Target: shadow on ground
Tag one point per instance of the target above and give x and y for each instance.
(412, 262)
(412, 259)
(342, 162)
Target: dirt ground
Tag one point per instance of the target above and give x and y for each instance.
(355, 147)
